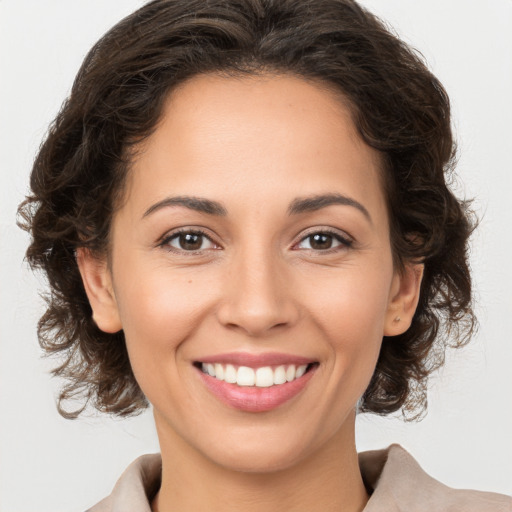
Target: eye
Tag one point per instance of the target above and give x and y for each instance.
(323, 241)
(188, 241)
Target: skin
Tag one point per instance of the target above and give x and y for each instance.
(257, 284)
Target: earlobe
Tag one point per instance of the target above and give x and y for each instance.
(97, 282)
(404, 297)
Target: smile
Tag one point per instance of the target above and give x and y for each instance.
(262, 377)
(255, 383)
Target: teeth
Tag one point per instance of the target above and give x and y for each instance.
(301, 370)
(280, 375)
(245, 376)
(263, 377)
(230, 374)
(219, 371)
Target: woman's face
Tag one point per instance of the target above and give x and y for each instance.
(253, 243)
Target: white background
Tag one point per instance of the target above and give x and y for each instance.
(50, 464)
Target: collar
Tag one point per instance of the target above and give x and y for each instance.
(392, 476)
(399, 484)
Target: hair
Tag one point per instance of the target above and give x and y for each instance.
(398, 107)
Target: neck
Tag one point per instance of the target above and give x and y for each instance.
(329, 479)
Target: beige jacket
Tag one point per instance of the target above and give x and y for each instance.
(397, 482)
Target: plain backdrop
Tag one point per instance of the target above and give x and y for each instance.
(50, 464)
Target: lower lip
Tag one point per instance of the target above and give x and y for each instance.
(252, 398)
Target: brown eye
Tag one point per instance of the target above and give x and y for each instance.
(320, 241)
(323, 241)
(189, 241)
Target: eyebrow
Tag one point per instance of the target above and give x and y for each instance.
(310, 204)
(193, 203)
(297, 206)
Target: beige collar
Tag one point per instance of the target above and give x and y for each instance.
(395, 480)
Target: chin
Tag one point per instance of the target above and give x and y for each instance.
(258, 459)
(267, 449)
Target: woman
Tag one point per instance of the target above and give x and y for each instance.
(243, 215)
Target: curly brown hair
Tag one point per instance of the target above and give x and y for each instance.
(398, 107)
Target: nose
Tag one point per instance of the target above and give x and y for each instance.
(258, 297)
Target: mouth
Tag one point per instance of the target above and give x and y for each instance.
(249, 385)
(260, 377)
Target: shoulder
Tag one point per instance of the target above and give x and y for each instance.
(135, 488)
(398, 484)
(395, 479)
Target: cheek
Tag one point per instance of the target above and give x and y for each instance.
(350, 311)
(158, 314)
(350, 304)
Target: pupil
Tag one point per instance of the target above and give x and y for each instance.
(321, 241)
(190, 241)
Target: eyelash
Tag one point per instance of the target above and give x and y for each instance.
(165, 242)
(345, 242)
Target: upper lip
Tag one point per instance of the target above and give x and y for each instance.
(256, 360)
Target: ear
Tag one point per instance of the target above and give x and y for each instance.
(403, 300)
(97, 281)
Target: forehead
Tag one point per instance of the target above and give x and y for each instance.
(266, 136)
